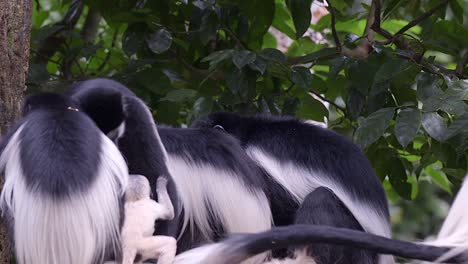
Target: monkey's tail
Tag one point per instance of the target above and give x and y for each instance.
(79, 227)
(241, 247)
(454, 231)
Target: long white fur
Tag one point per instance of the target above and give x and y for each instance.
(73, 230)
(300, 181)
(205, 190)
(454, 231)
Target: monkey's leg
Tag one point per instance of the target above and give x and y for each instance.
(162, 248)
(129, 254)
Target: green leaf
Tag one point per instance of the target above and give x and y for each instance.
(355, 102)
(407, 125)
(458, 89)
(179, 95)
(217, 58)
(241, 83)
(301, 14)
(160, 41)
(219, 55)
(427, 85)
(258, 65)
(398, 179)
(242, 58)
(439, 177)
(457, 9)
(260, 14)
(434, 125)
(390, 6)
(459, 125)
(283, 21)
(269, 41)
(202, 106)
(310, 108)
(301, 77)
(133, 38)
(272, 55)
(373, 127)
(390, 69)
(302, 47)
(450, 101)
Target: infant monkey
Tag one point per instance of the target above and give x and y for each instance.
(141, 212)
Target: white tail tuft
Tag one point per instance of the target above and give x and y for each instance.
(454, 231)
(78, 229)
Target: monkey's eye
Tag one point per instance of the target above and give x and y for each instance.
(219, 127)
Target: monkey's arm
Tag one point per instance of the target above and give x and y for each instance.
(164, 201)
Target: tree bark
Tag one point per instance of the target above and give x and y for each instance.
(15, 28)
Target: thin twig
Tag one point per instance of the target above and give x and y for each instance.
(422, 17)
(234, 36)
(328, 101)
(362, 50)
(108, 55)
(333, 26)
(461, 65)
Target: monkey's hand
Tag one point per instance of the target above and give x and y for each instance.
(164, 200)
(161, 184)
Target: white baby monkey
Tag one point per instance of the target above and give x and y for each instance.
(141, 212)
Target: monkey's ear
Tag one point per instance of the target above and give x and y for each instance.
(219, 127)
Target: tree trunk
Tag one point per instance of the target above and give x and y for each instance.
(15, 27)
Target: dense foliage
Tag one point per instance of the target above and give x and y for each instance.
(388, 75)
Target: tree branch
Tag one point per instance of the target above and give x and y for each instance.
(461, 65)
(52, 43)
(108, 55)
(421, 18)
(364, 47)
(91, 26)
(333, 26)
(343, 110)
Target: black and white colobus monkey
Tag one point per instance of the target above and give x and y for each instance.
(216, 182)
(64, 181)
(451, 244)
(302, 157)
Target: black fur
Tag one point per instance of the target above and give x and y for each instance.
(60, 150)
(311, 147)
(70, 148)
(211, 147)
(331, 212)
(289, 139)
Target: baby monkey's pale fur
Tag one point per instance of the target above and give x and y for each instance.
(141, 212)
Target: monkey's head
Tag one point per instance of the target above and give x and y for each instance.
(138, 188)
(49, 101)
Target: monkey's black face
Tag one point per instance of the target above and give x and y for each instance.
(104, 107)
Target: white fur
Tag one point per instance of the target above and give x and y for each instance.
(140, 214)
(300, 181)
(205, 190)
(454, 231)
(117, 133)
(73, 230)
